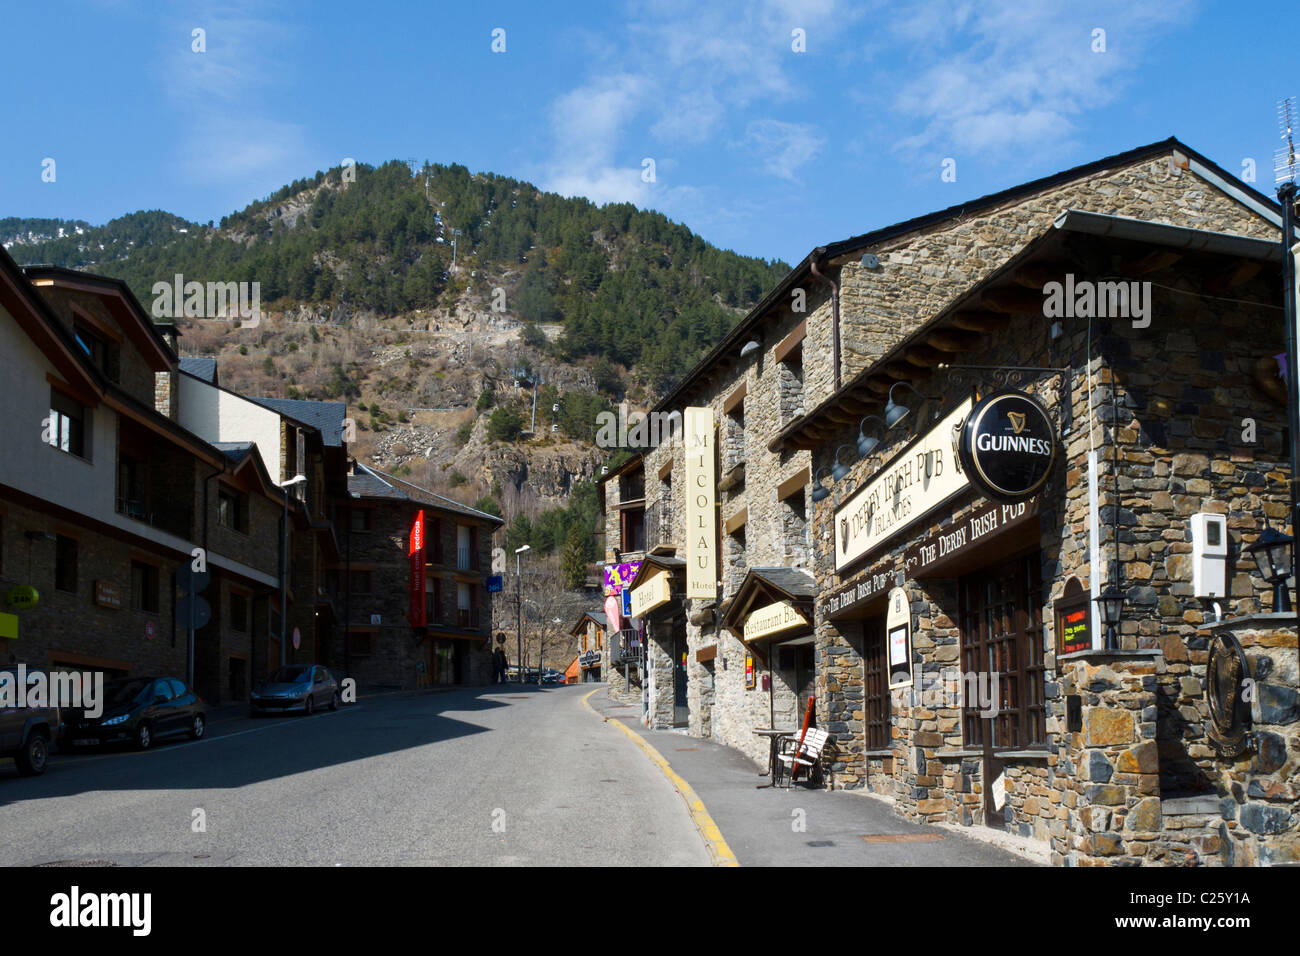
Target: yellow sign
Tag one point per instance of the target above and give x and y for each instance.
(701, 505)
(653, 593)
(916, 482)
(24, 597)
(772, 620)
(9, 626)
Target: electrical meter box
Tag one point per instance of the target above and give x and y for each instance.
(1210, 555)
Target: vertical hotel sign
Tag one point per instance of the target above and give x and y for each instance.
(415, 551)
(701, 511)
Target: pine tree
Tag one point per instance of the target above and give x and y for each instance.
(573, 563)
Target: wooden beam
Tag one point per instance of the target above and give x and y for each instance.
(1035, 275)
(924, 356)
(981, 321)
(1013, 299)
(1153, 261)
(1233, 276)
(953, 340)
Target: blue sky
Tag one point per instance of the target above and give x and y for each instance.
(757, 147)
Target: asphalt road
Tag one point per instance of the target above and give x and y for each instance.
(524, 776)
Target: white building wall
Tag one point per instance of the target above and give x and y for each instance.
(215, 415)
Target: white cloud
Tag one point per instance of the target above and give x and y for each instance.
(1012, 75)
(782, 147)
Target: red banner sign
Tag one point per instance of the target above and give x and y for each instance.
(415, 551)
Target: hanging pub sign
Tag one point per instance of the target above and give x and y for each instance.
(1007, 445)
(898, 636)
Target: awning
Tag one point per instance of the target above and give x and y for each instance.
(772, 602)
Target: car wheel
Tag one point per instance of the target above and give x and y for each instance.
(143, 736)
(309, 707)
(32, 758)
(334, 701)
(198, 727)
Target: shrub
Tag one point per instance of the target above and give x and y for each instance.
(463, 433)
(505, 424)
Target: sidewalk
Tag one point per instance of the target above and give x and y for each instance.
(761, 826)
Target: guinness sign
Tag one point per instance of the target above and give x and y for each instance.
(1007, 445)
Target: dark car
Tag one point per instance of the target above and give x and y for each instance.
(141, 710)
(26, 733)
(297, 687)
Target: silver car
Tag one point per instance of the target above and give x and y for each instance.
(297, 687)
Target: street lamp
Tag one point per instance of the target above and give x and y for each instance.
(284, 568)
(519, 615)
(1272, 553)
(1111, 604)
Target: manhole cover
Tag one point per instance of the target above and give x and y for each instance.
(821, 843)
(903, 837)
(78, 863)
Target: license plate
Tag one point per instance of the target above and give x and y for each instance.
(85, 740)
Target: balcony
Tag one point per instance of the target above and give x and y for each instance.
(467, 617)
(625, 647)
(659, 531)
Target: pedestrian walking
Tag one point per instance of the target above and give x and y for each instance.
(499, 662)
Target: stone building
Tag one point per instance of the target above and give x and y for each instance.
(104, 494)
(590, 631)
(627, 529)
(385, 647)
(843, 311)
(963, 665)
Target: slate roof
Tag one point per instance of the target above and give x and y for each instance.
(204, 368)
(797, 582)
(327, 417)
(368, 482)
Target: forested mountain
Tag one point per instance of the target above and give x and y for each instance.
(629, 286)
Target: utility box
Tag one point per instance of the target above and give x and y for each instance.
(1209, 555)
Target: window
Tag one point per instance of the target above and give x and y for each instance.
(238, 612)
(144, 587)
(1002, 634)
(101, 352)
(67, 424)
(433, 600)
(875, 685)
(434, 534)
(232, 510)
(177, 688)
(464, 548)
(65, 564)
(790, 383)
(631, 487)
(361, 520)
(466, 605)
(633, 530)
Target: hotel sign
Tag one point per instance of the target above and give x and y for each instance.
(772, 619)
(651, 594)
(922, 477)
(415, 555)
(701, 506)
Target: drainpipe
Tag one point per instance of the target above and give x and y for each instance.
(820, 255)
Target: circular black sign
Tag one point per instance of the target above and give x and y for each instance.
(1008, 445)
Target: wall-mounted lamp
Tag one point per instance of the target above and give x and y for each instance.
(867, 443)
(1111, 604)
(820, 492)
(840, 470)
(894, 412)
(750, 346)
(1272, 554)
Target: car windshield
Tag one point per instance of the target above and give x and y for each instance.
(292, 675)
(119, 692)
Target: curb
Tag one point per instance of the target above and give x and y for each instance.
(712, 836)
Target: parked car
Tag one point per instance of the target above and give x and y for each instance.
(27, 733)
(552, 677)
(140, 710)
(304, 687)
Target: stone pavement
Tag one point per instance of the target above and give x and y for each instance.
(802, 827)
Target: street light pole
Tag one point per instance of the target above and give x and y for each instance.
(519, 615)
(284, 568)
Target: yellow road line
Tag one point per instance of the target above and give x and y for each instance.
(713, 839)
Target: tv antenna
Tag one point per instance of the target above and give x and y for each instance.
(1284, 160)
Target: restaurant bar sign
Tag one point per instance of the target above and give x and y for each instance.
(773, 619)
(921, 478)
(1008, 445)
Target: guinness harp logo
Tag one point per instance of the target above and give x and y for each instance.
(844, 534)
(1017, 420)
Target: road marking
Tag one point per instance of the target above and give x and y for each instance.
(713, 839)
